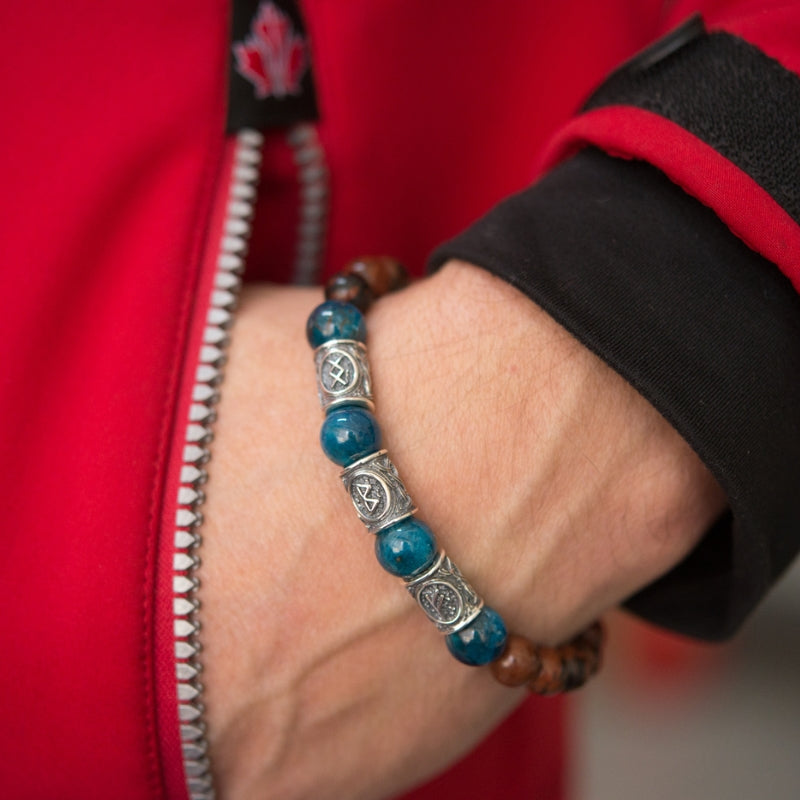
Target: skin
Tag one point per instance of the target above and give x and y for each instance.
(556, 488)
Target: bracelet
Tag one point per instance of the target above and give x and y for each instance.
(405, 546)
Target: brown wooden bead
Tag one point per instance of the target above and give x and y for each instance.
(548, 681)
(518, 663)
(593, 636)
(550, 670)
(349, 289)
(591, 657)
(382, 273)
(574, 673)
(568, 652)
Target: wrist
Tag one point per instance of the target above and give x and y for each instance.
(551, 481)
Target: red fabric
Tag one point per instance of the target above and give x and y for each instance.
(112, 118)
(524, 758)
(465, 94)
(112, 160)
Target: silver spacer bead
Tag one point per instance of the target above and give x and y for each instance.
(343, 374)
(378, 494)
(446, 598)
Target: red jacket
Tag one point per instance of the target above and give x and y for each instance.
(116, 170)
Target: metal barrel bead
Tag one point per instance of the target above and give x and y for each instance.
(379, 496)
(343, 376)
(446, 598)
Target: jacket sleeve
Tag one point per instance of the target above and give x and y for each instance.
(665, 237)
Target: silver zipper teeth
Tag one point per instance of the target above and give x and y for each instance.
(188, 518)
(312, 175)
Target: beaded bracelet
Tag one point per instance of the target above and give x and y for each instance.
(406, 547)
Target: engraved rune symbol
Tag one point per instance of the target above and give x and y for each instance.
(337, 372)
(370, 500)
(440, 602)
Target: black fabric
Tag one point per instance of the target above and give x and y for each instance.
(706, 329)
(730, 95)
(692, 28)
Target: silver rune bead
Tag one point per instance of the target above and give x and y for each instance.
(445, 597)
(343, 374)
(378, 494)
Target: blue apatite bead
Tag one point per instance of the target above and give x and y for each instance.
(405, 548)
(481, 641)
(349, 433)
(335, 320)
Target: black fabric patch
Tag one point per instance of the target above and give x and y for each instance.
(706, 329)
(730, 95)
(270, 83)
(691, 29)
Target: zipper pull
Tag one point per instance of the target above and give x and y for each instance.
(270, 81)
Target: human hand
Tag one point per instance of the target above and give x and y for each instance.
(556, 488)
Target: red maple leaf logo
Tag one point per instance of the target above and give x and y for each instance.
(272, 57)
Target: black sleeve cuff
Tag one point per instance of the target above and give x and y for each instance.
(703, 327)
(725, 92)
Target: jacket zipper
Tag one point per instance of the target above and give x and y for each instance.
(313, 187)
(230, 263)
(232, 248)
